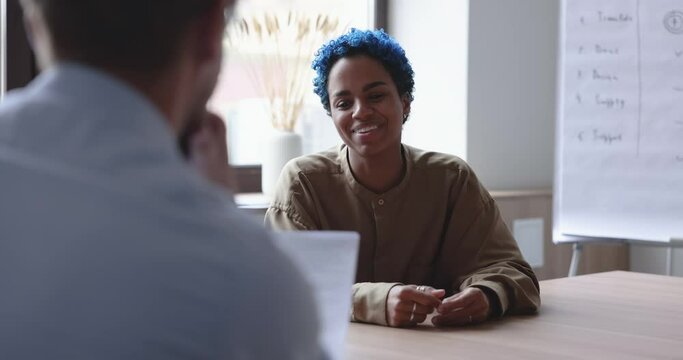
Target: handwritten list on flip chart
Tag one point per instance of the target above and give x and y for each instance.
(619, 170)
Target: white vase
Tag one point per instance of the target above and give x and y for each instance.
(280, 147)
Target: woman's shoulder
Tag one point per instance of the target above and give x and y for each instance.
(327, 161)
(456, 173)
(432, 160)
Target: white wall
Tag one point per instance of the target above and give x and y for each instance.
(512, 82)
(434, 36)
(653, 260)
(485, 90)
(485, 84)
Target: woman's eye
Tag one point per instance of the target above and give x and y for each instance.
(342, 104)
(376, 97)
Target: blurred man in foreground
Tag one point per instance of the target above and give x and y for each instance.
(112, 245)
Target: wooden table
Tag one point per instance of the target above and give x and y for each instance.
(613, 315)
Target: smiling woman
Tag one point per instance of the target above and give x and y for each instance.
(432, 238)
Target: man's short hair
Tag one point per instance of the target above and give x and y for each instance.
(125, 34)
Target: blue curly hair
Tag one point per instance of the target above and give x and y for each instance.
(373, 43)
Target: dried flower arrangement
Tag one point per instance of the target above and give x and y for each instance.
(279, 49)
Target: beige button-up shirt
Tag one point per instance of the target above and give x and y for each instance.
(437, 227)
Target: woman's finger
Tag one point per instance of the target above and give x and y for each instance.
(463, 299)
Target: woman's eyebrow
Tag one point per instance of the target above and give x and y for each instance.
(367, 87)
(373, 85)
(341, 93)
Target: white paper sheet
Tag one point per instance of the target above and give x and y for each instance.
(328, 261)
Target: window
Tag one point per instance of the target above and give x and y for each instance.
(245, 108)
(18, 66)
(3, 48)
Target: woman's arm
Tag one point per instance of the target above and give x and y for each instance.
(479, 251)
(293, 205)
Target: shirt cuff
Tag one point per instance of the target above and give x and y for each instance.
(498, 299)
(370, 302)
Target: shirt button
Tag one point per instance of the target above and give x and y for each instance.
(380, 201)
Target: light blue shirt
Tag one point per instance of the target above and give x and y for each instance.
(112, 247)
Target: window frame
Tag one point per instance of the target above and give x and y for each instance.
(20, 65)
(3, 47)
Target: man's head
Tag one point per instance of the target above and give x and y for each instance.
(130, 34)
(169, 49)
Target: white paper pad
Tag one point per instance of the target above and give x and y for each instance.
(328, 261)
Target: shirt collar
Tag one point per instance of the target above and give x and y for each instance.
(95, 111)
(363, 192)
(88, 125)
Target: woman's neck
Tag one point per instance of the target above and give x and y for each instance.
(378, 173)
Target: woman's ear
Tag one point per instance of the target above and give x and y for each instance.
(405, 100)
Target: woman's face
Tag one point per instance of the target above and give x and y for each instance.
(365, 106)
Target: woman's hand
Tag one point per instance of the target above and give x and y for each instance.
(409, 305)
(469, 306)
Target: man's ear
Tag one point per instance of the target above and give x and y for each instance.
(210, 28)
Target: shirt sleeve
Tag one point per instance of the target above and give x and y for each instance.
(283, 218)
(370, 302)
(293, 205)
(479, 251)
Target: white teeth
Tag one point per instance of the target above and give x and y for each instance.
(365, 129)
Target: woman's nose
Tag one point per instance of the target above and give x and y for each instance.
(362, 111)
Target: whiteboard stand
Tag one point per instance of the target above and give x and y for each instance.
(576, 257)
(578, 250)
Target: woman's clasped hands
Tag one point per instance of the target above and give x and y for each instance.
(409, 305)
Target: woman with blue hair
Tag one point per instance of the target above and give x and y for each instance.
(432, 238)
